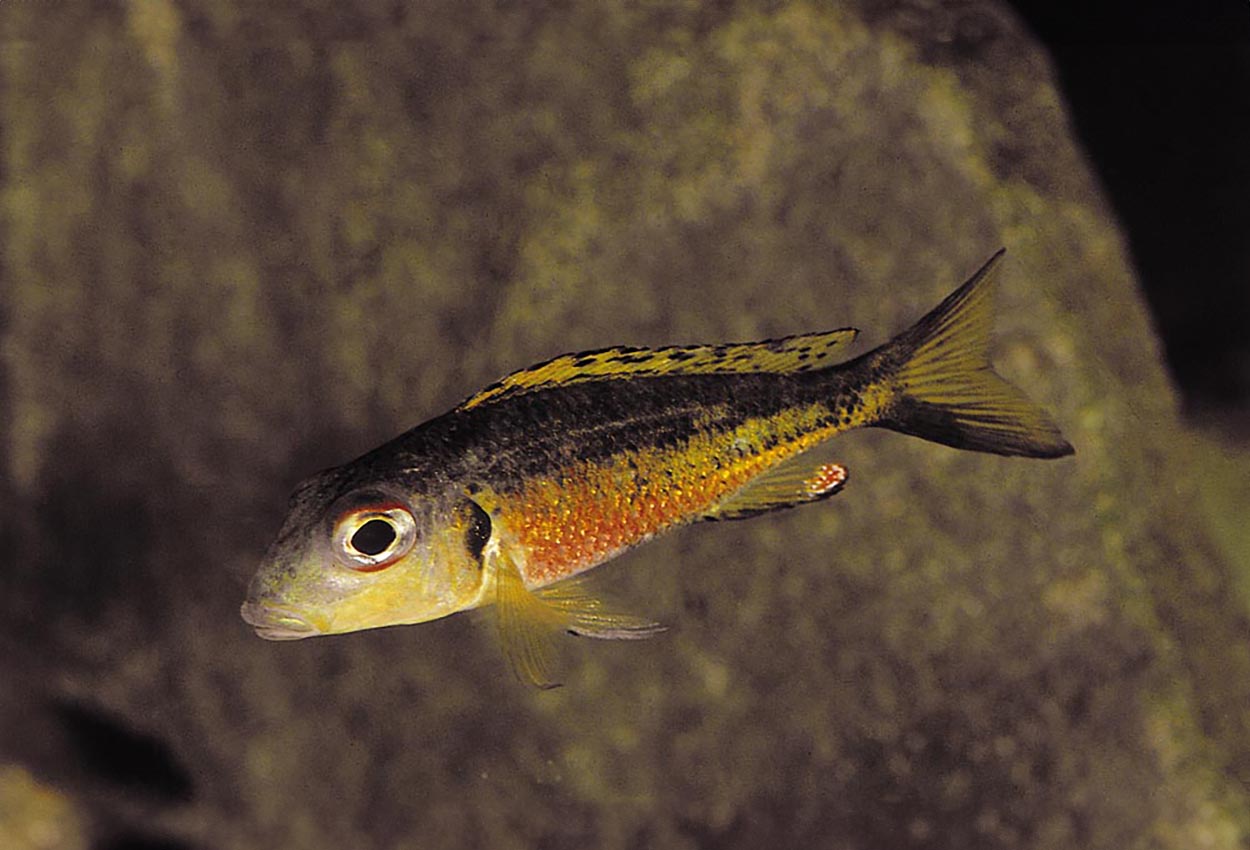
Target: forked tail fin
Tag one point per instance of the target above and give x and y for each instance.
(947, 391)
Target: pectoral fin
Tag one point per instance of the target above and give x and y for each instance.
(589, 616)
(527, 625)
(530, 620)
(793, 482)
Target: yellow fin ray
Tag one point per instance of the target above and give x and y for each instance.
(590, 616)
(793, 482)
(798, 353)
(530, 620)
(949, 393)
(527, 627)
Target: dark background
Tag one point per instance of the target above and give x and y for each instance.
(1160, 97)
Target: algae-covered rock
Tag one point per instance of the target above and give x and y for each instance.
(245, 242)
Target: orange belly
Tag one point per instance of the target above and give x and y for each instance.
(594, 511)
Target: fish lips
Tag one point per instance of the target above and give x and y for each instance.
(278, 623)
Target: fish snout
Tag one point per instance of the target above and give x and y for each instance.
(278, 623)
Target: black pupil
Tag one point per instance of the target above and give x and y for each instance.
(374, 537)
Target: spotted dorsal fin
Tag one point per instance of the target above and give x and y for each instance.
(798, 353)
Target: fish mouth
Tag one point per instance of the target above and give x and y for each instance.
(274, 623)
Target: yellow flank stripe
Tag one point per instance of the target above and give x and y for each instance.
(592, 511)
(874, 399)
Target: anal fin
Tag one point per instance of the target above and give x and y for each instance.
(530, 620)
(793, 482)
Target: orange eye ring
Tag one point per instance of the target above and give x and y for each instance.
(372, 537)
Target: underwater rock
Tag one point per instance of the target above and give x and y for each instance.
(245, 244)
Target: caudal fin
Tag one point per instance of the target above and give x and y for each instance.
(947, 390)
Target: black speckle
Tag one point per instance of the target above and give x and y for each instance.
(628, 359)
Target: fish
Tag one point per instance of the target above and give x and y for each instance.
(508, 500)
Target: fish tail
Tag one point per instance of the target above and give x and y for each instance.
(946, 391)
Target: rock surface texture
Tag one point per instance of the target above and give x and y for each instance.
(242, 243)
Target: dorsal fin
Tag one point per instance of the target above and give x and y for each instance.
(798, 353)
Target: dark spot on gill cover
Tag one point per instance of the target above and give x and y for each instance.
(109, 751)
(477, 529)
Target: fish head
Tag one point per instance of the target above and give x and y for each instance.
(353, 556)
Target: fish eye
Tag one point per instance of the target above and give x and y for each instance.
(373, 537)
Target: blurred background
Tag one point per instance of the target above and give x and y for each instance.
(245, 242)
(1159, 96)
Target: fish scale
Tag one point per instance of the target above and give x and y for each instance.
(507, 499)
(599, 510)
